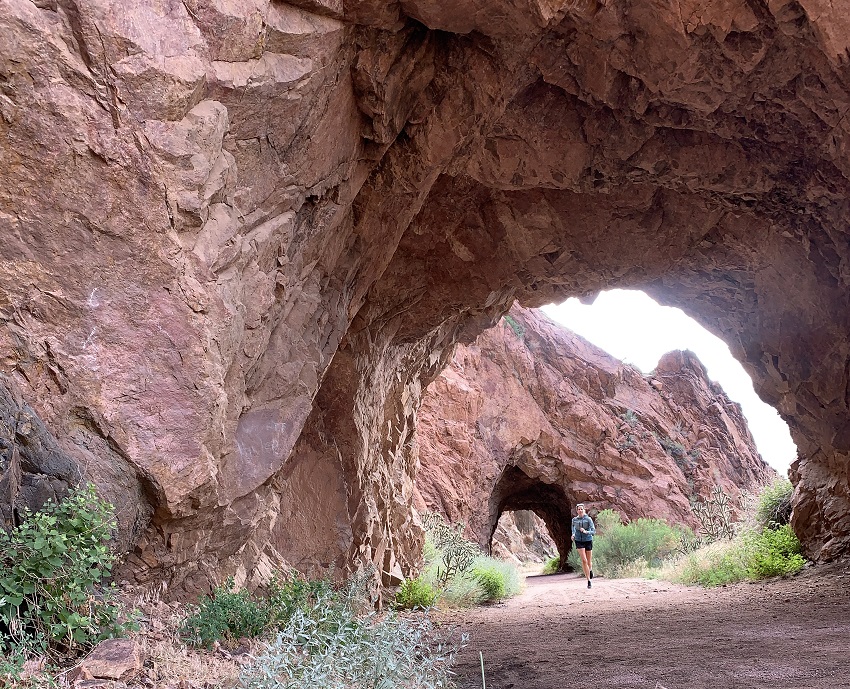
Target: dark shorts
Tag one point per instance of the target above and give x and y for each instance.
(587, 545)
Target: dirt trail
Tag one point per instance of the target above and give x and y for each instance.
(785, 634)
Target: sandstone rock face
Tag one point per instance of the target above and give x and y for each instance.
(240, 238)
(522, 537)
(531, 416)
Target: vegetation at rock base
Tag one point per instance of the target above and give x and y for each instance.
(774, 504)
(53, 599)
(229, 615)
(332, 642)
(753, 543)
(457, 571)
(519, 331)
(415, 594)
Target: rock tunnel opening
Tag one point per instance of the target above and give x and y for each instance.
(515, 490)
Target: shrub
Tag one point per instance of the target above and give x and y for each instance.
(227, 615)
(714, 565)
(774, 552)
(456, 553)
(415, 593)
(552, 565)
(626, 549)
(492, 583)
(327, 645)
(752, 555)
(715, 517)
(52, 569)
(774, 504)
(607, 520)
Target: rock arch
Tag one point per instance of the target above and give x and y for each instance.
(226, 259)
(516, 490)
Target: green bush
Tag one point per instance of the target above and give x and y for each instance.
(226, 615)
(774, 552)
(552, 565)
(752, 555)
(52, 569)
(415, 593)
(229, 615)
(618, 547)
(774, 504)
(607, 520)
(492, 583)
(717, 564)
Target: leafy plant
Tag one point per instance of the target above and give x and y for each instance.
(774, 552)
(415, 593)
(774, 504)
(52, 568)
(629, 549)
(716, 564)
(328, 645)
(227, 615)
(552, 565)
(492, 583)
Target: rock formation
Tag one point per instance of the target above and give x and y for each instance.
(238, 239)
(531, 416)
(522, 537)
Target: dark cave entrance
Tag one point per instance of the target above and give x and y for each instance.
(516, 490)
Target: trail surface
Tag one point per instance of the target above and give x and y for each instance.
(634, 633)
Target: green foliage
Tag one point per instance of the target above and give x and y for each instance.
(492, 583)
(673, 448)
(496, 578)
(774, 552)
(326, 644)
(774, 504)
(552, 565)
(226, 615)
(519, 331)
(752, 555)
(607, 520)
(626, 549)
(52, 569)
(717, 564)
(453, 565)
(415, 593)
(229, 615)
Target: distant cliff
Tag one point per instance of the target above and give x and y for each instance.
(531, 416)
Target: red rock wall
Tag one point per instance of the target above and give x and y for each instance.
(530, 396)
(238, 239)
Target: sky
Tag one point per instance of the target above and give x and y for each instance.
(634, 328)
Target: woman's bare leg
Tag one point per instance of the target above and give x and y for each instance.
(585, 565)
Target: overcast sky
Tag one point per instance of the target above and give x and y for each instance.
(630, 326)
